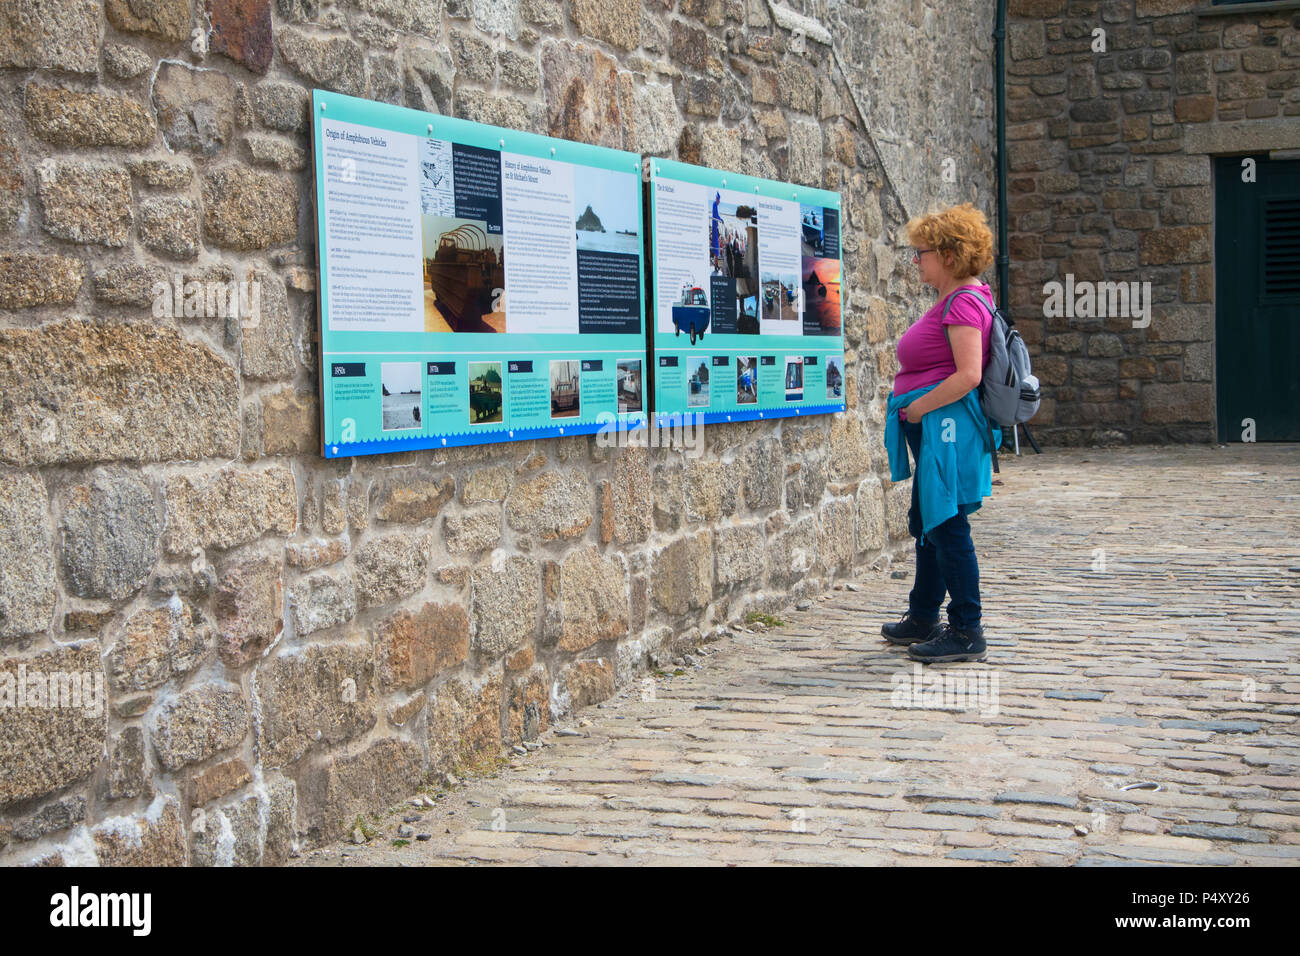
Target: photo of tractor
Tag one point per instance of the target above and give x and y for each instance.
(484, 392)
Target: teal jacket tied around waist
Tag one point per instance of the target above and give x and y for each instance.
(955, 467)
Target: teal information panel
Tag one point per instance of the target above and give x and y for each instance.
(477, 284)
(745, 302)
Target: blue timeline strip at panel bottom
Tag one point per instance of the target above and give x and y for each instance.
(715, 418)
(386, 445)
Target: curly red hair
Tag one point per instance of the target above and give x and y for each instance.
(961, 231)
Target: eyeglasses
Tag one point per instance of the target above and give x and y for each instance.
(917, 253)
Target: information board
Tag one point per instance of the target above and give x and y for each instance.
(477, 284)
(745, 303)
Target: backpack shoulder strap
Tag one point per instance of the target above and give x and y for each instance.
(970, 292)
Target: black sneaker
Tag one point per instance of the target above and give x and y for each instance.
(950, 645)
(909, 630)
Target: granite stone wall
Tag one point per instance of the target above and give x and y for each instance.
(285, 642)
(1110, 181)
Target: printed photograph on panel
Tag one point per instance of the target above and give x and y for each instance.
(697, 384)
(400, 383)
(564, 389)
(629, 386)
(464, 276)
(484, 392)
(746, 380)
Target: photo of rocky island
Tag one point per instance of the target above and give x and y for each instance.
(399, 382)
(607, 205)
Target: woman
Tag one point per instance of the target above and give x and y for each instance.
(934, 406)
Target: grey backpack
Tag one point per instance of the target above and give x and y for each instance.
(1008, 390)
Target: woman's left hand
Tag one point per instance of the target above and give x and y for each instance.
(913, 414)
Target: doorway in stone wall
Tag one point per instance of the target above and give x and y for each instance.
(1257, 296)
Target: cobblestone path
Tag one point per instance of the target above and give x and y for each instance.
(1143, 614)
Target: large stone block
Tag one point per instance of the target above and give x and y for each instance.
(267, 349)
(739, 554)
(1181, 323)
(29, 279)
(616, 22)
(154, 838)
(582, 684)
(198, 723)
(1177, 244)
(332, 63)
(655, 123)
(472, 531)
(410, 499)
(465, 725)
(507, 601)
(850, 448)
(869, 528)
(682, 574)
(835, 543)
(129, 284)
(712, 489)
(290, 423)
(631, 496)
(1177, 403)
(792, 553)
(763, 471)
(321, 600)
(594, 592)
(50, 35)
(241, 29)
(171, 226)
(391, 567)
(127, 775)
(27, 586)
(414, 647)
(249, 608)
(72, 118)
(78, 392)
(228, 835)
(281, 106)
(552, 505)
(528, 707)
(581, 88)
(55, 724)
(166, 19)
(110, 536)
(157, 644)
(512, 112)
(245, 209)
(422, 17)
(86, 202)
(229, 508)
(317, 697)
(341, 787)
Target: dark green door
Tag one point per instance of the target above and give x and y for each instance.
(1257, 295)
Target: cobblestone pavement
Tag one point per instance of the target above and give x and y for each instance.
(1173, 665)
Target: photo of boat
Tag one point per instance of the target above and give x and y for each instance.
(691, 312)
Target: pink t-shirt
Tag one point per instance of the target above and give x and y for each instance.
(924, 355)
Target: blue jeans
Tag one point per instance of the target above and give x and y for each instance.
(945, 558)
